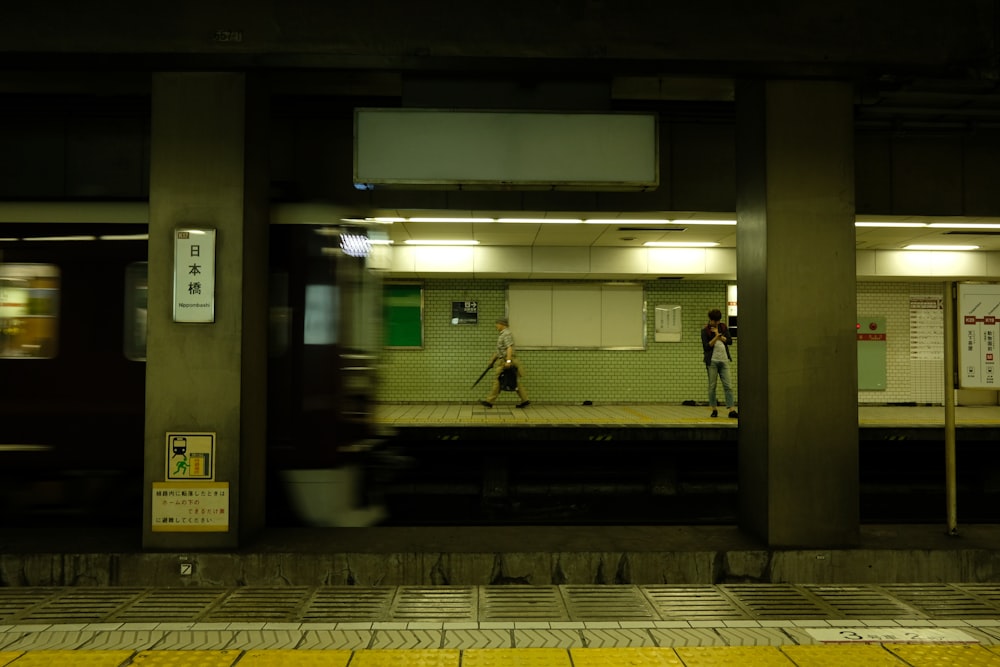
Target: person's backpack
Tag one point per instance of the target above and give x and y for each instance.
(508, 379)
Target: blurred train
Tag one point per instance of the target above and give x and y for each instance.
(73, 306)
(73, 311)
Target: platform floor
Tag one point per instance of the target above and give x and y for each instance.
(661, 415)
(462, 626)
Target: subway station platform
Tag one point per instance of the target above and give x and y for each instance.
(652, 415)
(459, 626)
(514, 595)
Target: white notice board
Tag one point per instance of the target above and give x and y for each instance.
(573, 316)
(978, 315)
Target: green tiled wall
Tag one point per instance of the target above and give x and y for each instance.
(453, 356)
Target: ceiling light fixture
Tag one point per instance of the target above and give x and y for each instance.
(445, 242)
(124, 237)
(920, 246)
(543, 221)
(890, 225)
(728, 223)
(625, 221)
(449, 219)
(680, 244)
(964, 225)
(60, 238)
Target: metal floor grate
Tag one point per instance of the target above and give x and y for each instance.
(862, 602)
(607, 602)
(696, 602)
(349, 603)
(82, 605)
(170, 604)
(261, 604)
(499, 603)
(532, 603)
(435, 603)
(14, 602)
(943, 600)
(778, 601)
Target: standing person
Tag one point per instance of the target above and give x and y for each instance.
(505, 351)
(716, 341)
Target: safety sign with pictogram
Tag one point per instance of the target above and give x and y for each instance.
(190, 456)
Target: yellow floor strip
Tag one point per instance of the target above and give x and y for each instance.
(861, 655)
(716, 656)
(71, 659)
(7, 657)
(926, 655)
(617, 657)
(517, 657)
(184, 658)
(294, 658)
(820, 655)
(407, 658)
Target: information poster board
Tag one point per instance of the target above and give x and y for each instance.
(403, 315)
(978, 313)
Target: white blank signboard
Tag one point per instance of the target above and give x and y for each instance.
(532, 323)
(577, 316)
(440, 146)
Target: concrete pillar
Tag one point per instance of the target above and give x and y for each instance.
(208, 169)
(798, 440)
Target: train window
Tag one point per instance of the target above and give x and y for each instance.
(29, 311)
(322, 316)
(136, 299)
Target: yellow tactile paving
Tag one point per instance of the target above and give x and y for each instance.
(295, 658)
(7, 657)
(516, 657)
(935, 655)
(620, 657)
(743, 656)
(862, 655)
(186, 658)
(71, 659)
(406, 658)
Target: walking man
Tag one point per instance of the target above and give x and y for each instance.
(505, 353)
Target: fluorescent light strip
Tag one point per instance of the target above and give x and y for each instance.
(680, 244)
(627, 222)
(124, 237)
(543, 221)
(449, 220)
(890, 225)
(60, 238)
(731, 223)
(920, 246)
(452, 242)
(964, 225)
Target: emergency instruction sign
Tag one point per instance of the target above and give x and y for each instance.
(978, 318)
(190, 456)
(196, 507)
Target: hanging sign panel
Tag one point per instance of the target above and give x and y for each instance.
(978, 317)
(194, 274)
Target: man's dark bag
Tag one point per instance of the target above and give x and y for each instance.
(508, 379)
